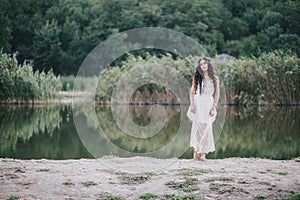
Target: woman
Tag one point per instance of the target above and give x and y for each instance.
(204, 97)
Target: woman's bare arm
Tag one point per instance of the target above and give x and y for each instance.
(192, 95)
(217, 92)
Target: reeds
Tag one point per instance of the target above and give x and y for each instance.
(271, 79)
(20, 84)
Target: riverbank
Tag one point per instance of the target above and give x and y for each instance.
(141, 177)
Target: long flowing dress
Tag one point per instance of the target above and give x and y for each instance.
(202, 139)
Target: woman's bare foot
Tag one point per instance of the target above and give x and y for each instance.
(196, 156)
(202, 157)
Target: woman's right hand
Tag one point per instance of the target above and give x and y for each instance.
(193, 108)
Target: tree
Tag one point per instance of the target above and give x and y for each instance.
(5, 27)
(47, 50)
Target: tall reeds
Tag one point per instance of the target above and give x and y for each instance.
(271, 78)
(20, 84)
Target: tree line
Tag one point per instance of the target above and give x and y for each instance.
(59, 34)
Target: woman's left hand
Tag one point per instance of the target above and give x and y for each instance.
(212, 111)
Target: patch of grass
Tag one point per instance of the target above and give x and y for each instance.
(13, 198)
(135, 178)
(221, 188)
(260, 197)
(89, 183)
(294, 197)
(193, 172)
(184, 197)
(188, 185)
(283, 173)
(148, 196)
(219, 179)
(109, 196)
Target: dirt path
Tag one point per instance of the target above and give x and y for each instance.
(114, 178)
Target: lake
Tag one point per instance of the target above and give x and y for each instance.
(50, 132)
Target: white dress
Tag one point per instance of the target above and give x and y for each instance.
(202, 139)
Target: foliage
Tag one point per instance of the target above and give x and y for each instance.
(5, 30)
(59, 34)
(19, 83)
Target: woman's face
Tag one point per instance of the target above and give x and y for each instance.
(203, 64)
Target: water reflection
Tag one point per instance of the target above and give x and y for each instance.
(260, 132)
(49, 132)
(39, 132)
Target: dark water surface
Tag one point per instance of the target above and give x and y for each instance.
(49, 132)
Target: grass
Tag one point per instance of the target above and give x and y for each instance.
(294, 197)
(135, 178)
(260, 197)
(109, 196)
(219, 179)
(193, 172)
(188, 185)
(184, 197)
(221, 188)
(148, 196)
(13, 198)
(283, 173)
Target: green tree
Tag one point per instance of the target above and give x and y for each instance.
(289, 9)
(5, 27)
(25, 17)
(47, 50)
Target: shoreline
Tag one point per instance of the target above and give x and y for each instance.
(130, 178)
(70, 97)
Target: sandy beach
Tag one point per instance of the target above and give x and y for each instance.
(149, 178)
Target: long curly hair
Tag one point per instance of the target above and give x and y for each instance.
(198, 74)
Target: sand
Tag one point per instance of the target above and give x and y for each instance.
(130, 178)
